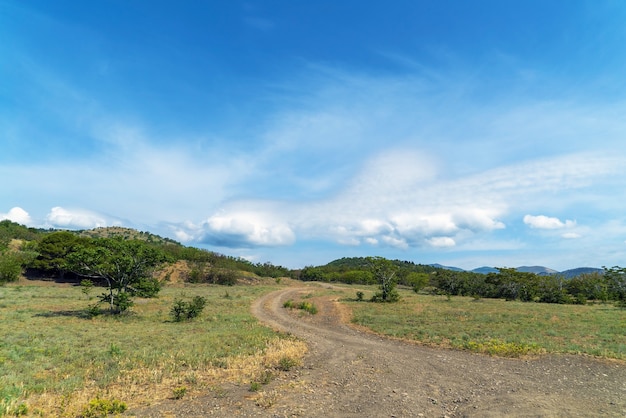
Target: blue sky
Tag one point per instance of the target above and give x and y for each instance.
(297, 132)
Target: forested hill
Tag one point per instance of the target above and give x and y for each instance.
(361, 263)
(44, 250)
(126, 233)
(13, 231)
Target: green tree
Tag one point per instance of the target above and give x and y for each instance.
(417, 281)
(384, 272)
(124, 266)
(53, 251)
(589, 286)
(448, 282)
(616, 280)
(511, 284)
(552, 289)
(312, 274)
(357, 276)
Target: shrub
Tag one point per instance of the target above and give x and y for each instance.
(495, 347)
(10, 268)
(286, 363)
(359, 296)
(180, 392)
(97, 408)
(147, 288)
(308, 307)
(222, 276)
(305, 306)
(182, 310)
(390, 296)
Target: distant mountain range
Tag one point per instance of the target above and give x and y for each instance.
(540, 270)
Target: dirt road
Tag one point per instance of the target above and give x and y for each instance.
(348, 373)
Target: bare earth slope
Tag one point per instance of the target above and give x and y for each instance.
(348, 373)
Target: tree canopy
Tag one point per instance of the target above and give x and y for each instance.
(124, 265)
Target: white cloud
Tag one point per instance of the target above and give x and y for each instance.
(75, 219)
(546, 222)
(397, 203)
(395, 242)
(571, 235)
(441, 242)
(414, 224)
(17, 215)
(246, 228)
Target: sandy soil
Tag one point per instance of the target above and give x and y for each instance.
(349, 373)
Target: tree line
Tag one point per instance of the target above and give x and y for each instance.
(506, 283)
(124, 266)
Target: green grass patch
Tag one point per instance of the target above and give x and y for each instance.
(497, 327)
(304, 306)
(51, 349)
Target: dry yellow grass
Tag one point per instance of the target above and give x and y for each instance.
(145, 386)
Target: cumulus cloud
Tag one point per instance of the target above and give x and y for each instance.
(17, 215)
(441, 242)
(547, 222)
(398, 200)
(75, 219)
(245, 229)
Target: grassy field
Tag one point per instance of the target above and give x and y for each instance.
(497, 326)
(54, 359)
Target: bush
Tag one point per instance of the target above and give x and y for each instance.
(286, 363)
(495, 347)
(182, 310)
(103, 407)
(391, 296)
(223, 276)
(179, 392)
(10, 268)
(305, 306)
(147, 288)
(308, 307)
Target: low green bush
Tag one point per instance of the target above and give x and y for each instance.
(186, 310)
(101, 408)
(304, 305)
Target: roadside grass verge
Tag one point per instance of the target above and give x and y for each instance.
(54, 360)
(496, 327)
